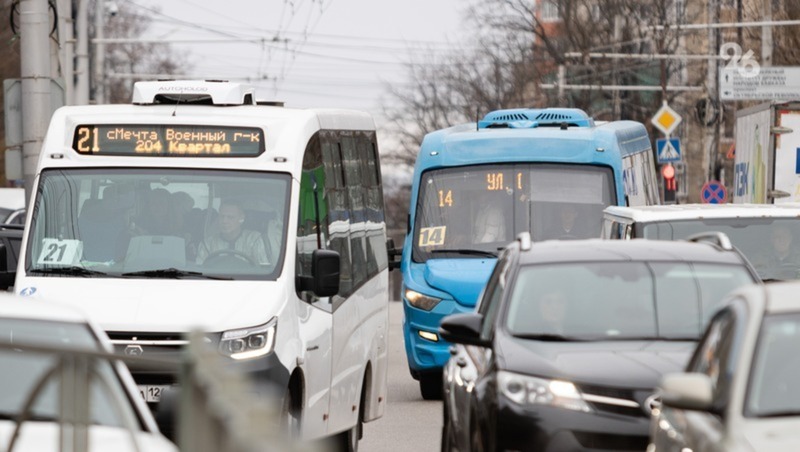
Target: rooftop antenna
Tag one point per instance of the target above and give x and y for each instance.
(477, 118)
(180, 96)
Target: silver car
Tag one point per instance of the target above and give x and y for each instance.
(740, 390)
(50, 355)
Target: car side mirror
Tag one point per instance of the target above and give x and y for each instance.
(687, 391)
(393, 253)
(463, 329)
(324, 279)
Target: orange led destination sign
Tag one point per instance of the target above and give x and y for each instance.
(161, 140)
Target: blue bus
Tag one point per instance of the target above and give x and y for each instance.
(550, 172)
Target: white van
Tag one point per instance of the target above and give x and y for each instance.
(197, 208)
(768, 235)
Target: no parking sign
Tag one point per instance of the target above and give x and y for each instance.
(713, 192)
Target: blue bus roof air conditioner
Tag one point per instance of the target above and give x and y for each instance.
(526, 118)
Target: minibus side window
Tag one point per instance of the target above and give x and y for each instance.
(376, 226)
(355, 195)
(315, 174)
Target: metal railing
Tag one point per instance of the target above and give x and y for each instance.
(75, 371)
(218, 409)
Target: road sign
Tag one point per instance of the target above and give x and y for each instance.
(668, 150)
(770, 83)
(713, 192)
(666, 119)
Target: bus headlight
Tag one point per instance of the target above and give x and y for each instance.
(525, 390)
(421, 301)
(249, 343)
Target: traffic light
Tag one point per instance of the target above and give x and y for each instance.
(670, 183)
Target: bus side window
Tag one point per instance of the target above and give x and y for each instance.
(377, 259)
(311, 199)
(340, 214)
(356, 194)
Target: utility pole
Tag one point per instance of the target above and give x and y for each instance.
(766, 36)
(82, 72)
(712, 92)
(35, 72)
(66, 49)
(99, 54)
(617, 105)
(562, 80)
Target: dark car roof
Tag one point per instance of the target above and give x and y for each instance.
(562, 251)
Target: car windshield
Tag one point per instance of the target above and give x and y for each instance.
(158, 223)
(24, 369)
(485, 207)
(772, 245)
(619, 300)
(773, 390)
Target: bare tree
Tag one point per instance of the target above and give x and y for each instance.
(457, 88)
(135, 58)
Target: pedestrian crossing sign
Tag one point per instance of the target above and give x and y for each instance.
(668, 150)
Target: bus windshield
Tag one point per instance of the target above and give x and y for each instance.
(482, 208)
(158, 223)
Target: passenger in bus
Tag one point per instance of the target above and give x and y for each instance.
(232, 239)
(158, 216)
(490, 224)
(182, 205)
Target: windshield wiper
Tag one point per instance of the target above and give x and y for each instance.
(786, 413)
(650, 338)
(467, 251)
(6, 416)
(72, 270)
(172, 273)
(548, 337)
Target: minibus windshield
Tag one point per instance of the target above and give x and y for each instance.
(462, 210)
(158, 223)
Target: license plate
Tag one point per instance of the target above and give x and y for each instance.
(152, 393)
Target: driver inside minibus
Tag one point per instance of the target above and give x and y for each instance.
(232, 239)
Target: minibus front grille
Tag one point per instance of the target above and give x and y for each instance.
(147, 344)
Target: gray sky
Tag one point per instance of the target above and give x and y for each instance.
(316, 53)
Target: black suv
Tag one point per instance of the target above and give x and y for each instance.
(10, 242)
(570, 338)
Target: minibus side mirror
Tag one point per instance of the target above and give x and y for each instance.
(393, 253)
(325, 265)
(6, 275)
(324, 279)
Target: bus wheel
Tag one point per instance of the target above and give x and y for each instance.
(430, 385)
(290, 415)
(348, 439)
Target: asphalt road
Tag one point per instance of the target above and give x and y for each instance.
(409, 422)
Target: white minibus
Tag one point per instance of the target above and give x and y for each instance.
(196, 207)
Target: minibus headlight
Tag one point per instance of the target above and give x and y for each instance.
(248, 343)
(421, 301)
(525, 390)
